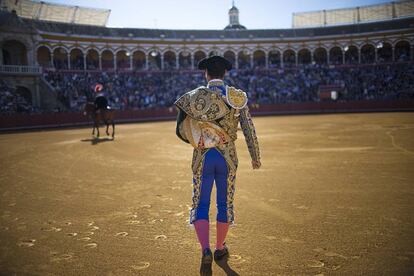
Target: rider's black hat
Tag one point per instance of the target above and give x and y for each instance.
(214, 62)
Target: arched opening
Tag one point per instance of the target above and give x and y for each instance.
(402, 51)
(44, 57)
(259, 59)
(76, 59)
(138, 60)
(368, 53)
(274, 59)
(20, 101)
(122, 60)
(184, 59)
(335, 55)
(154, 60)
(243, 58)
(384, 52)
(25, 93)
(60, 58)
(92, 60)
(289, 58)
(14, 53)
(304, 56)
(169, 60)
(320, 56)
(351, 54)
(107, 60)
(6, 57)
(230, 56)
(199, 55)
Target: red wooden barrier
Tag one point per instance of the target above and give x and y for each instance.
(43, 120)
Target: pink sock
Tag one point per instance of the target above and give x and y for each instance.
(202, 229)
(222, 229)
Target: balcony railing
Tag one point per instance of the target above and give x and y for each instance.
(20, 70)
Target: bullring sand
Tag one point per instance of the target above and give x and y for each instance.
(334, 196)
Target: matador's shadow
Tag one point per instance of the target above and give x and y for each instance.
(96, 140)
(224, 264)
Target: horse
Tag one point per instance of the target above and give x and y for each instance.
(106, 116)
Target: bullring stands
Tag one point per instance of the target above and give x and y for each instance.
(58, 13)
(356, 15)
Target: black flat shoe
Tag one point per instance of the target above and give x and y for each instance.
(221, 254)
(206, 261)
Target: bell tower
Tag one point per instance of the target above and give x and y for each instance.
(234, 15)
(234, 23)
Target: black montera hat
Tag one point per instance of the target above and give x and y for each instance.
(214, 62)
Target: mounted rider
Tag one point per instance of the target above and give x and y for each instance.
(101, 102)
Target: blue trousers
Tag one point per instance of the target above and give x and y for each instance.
(214, 170)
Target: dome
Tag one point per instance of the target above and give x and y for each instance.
(235, 27)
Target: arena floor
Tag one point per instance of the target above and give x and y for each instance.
(334, 196)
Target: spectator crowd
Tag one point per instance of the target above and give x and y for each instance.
(12, 101)
(143, 90)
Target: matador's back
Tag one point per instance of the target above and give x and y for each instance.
(208, 117)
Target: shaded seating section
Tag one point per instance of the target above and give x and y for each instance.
(142, 90)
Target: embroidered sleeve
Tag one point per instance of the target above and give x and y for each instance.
(249, 133)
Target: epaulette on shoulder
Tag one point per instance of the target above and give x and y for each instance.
(236, 98)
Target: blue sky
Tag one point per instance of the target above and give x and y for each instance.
(208, 14)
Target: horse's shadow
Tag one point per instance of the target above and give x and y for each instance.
(96, 140)
(223, 264)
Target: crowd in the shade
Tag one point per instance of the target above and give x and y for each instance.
(143, 90)
(379, 82)
(160, 89)
(124, 90)
(11, 101)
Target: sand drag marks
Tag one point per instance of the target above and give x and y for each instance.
(393, 142)
(305, 209)
(334, 196)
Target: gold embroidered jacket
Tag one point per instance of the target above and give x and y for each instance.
(207, 105)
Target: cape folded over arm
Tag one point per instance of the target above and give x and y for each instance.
(199, 111)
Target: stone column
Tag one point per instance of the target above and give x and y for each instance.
(251, 60)
(192, 61)
(281, 60)
(100, 61)
(52, 59)
(267, 60)
(296, 59)
(359, 56)
(84, 62)
(162, 61)
(343, 56)
(177, 61)
(68, 61)
(328, 61)
(30, 56)
(393, 53)
(146, 61)
(34, 56)
(115, 65)
(130, 62)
